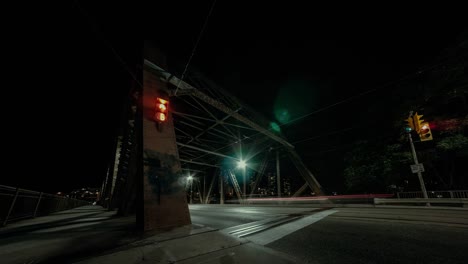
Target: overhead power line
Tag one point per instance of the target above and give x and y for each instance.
(195, 47)
(101, 37)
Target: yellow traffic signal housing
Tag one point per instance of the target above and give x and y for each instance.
(417, 121)
(425, 133)
(410, 123)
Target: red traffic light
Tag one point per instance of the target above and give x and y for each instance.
(161, 109)
(425, 132)
(161, 117)
(425, 128)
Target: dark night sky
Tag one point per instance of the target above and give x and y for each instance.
(265, 54)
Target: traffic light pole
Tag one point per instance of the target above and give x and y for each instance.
(421, 180)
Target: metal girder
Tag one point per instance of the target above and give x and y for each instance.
(226, 134)
(238, 126)
(239, 117)
(259, 174)
(216, 135)
(212, 126)
(201, 144)
(200, 95)
(214, 117)
(306, 174)
(207, 151)
(183, 132)
(204, 108)
(190, 155)
(193, 92)
(208, 194)
(189, 103)
(186, 169)
(193, 120)
(301, 190)
(198, 163)
(211, 141)
(190, 125)
(194, 116)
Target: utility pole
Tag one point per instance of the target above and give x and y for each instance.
(413, 152)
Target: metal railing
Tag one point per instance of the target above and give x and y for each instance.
(17, 204)
(451, 202)
(452, 194)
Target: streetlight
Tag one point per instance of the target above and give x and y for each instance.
(190, 178)
(241, 164)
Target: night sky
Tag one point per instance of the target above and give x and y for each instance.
(75, 72)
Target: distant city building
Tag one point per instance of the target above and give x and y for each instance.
(88, 194)
(272, 188)
(271, 185)
(286, 191)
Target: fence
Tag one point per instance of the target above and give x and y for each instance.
(450, 202)
(454, 194)
(16, 204)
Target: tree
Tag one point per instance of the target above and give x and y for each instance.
(452, 150)
(372, 167)
(437, 91)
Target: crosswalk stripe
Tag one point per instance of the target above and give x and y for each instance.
(278, 232)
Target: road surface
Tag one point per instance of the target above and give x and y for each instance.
(238, 234)
(347, 235)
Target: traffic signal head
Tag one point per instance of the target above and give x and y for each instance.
(417, 120)
(425, 132)
(410, 124)
(161, 109)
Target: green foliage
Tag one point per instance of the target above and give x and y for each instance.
(371, 167)
(439, 94)
(453, 143)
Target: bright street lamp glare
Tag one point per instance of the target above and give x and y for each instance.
(190, 178)
(241, 164)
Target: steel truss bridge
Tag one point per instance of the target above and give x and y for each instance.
(212, 130)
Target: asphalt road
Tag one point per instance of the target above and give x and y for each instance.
(305, 234)
(220, 217)
(348, 235)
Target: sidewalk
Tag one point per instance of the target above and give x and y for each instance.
(64, 236)
(91, 234)
(191, 244)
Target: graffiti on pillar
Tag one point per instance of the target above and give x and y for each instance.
(162, 171)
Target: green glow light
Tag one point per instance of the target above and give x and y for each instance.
(282, 115)
(241, 164)
(275, 127)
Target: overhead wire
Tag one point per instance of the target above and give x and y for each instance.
(99, 35)
(379, 87)
(195, 46)
(353, 97)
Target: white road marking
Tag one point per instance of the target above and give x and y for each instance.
(278, 232)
